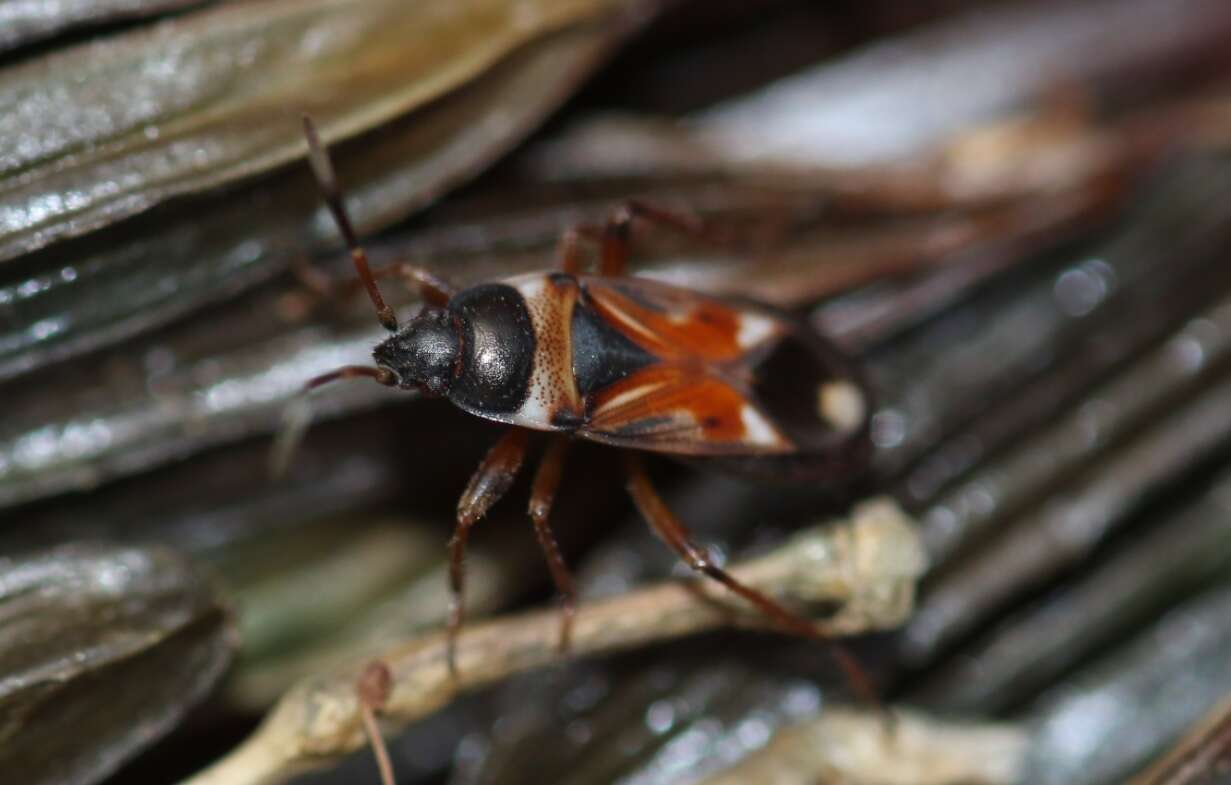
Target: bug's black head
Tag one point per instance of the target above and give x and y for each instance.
(426, 353)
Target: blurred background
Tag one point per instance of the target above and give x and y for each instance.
(1015, 214)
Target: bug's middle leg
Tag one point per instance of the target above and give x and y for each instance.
(613, 237)
(568, 251)
(489, 483)
(672, 531)
(546, 481)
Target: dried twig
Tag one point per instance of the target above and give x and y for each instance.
(1203, 755)
(867, 567)
(843, 747)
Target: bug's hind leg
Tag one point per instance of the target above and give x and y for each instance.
(672, 531)
(488, 484)
(546, 481)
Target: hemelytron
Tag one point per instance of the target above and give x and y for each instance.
(722, 383)
(634, 363)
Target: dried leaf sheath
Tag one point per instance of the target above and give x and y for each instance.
(100, 132)
(71, 297)
(110, 644)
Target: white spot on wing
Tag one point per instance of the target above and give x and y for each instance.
(753, 329)
(841, 404)
(757, 429)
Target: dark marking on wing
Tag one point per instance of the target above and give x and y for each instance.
(602, 355)
(785, 384)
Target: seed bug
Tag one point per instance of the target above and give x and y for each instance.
(722, 383)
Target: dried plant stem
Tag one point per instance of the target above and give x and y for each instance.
(1203, 755)
(843, 747)
(867, 567)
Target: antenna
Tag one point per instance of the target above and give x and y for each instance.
(327, 180)
(297, 415)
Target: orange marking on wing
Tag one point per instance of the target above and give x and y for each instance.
(683, 324)
(676, 404)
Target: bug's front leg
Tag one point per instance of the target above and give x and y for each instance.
(432, 289)
(488, 484)
(672, 531)
(546, 481)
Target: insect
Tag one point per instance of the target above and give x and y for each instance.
(722, 383)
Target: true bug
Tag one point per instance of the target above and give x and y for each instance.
(723, 383)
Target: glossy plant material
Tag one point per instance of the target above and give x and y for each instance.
(1104, 349)
(100, 132)
(999, 341)
(102, 651)
(1189, 550)
(1141, 695)
(1202, 757)
(23, 23)
(1140, 395)
(950, 76)
(1045, 541)
(211, 100)
(178, 505)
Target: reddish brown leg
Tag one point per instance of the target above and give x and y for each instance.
(682, 223)
(322, 168)
(490, 482)
(613, 254)
(374, 686)
(614, 236)
(546, 481)
(568, 252)
(672, 531)
(433, 289)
